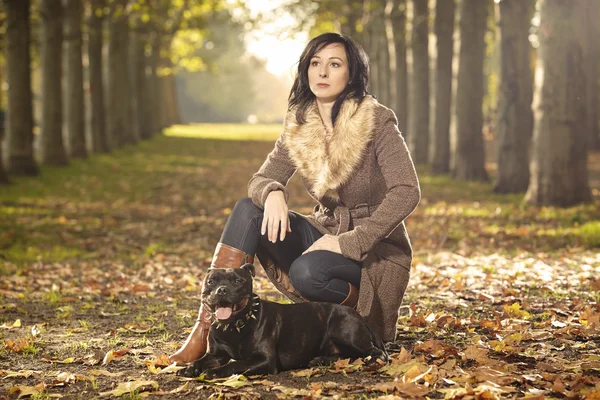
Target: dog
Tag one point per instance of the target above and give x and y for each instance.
(254, 337)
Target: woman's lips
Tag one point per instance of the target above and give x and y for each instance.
(322, 85)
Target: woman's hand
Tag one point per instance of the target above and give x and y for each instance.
(276, 214)
(326, 242)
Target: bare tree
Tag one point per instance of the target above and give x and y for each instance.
(469, 160)
(591, 61)
(118, 93)
(352, 14)
(3, 174)
(418, 136)
(515, 93)
(95, 20)
(74, 76)
(559, 157)
(398, 18)
(383, 55)
(52, 149)
(439, 151)
(138, 81)
(154, 83)
(19, 110)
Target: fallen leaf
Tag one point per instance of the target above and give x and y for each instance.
(401, 358)
(476, 353)
(94, 358)
(558, 386)
(128, 387)
(399, 369)
(291, 392)
(27, 390)
(69, 360)
(412, 389)
(105, 372)
(160, 361)
(235, 381)
(17, 346)
(23, 373)
(436, 348)
(515, 311)
(112, 354)
(16, 324)
(305, 372)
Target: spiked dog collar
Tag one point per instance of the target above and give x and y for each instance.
(241, 321)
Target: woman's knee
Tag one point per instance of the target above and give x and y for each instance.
(245, 208)
(305, 278)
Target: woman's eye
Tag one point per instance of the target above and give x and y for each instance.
(335, 65)
(314, 63)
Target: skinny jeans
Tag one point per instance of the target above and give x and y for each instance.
(319, 275)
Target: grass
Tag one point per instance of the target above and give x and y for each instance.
(590, 232)
(261, 132)
(57, 216)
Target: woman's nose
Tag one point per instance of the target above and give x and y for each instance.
(323, 72)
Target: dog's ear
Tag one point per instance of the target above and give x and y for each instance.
(250, 268)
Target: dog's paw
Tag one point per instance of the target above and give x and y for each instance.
(189, 372)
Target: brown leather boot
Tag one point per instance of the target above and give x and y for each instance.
(195, 345)
(352, 299)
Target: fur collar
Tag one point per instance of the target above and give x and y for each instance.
(327, 164)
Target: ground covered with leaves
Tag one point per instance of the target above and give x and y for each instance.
(101, 261)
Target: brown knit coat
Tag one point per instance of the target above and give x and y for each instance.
(365, 184)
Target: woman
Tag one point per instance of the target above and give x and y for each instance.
(355, 164)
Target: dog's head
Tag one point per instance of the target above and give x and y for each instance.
(227, 291)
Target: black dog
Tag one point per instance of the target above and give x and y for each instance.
(254, 336)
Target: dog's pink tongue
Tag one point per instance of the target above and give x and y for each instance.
(223, 312)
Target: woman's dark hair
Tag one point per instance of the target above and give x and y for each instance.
(358, 64)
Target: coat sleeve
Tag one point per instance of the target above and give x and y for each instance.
(403, 193)
(274, 174)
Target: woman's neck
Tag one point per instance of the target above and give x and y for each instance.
(325, 111)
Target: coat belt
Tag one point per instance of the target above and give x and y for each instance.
(346, 215)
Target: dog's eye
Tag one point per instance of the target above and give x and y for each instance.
(210, 282)
(239, 280)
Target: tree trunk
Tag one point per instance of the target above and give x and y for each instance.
(559, 174)
(174, 116)
(398, 17)
(383, 56)
(164, 101)
(148, 129)
(591, 62)
(439, 155)
(75, 99)
(369, 44)
(352, 13)
(52, 149)
(126, 87)
(118, 78)
(95, 38)
(19, 110)
(154, 85)
(470, 155)
(515, 93)
(418, 136)
(3, 174)
(137, 82)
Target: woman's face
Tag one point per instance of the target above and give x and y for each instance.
(328, 72)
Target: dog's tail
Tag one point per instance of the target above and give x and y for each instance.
(378, 342)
